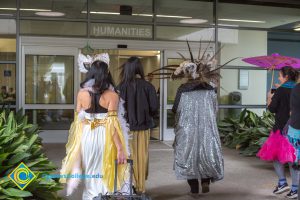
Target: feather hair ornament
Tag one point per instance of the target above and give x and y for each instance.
(85, 62)
(200, 68)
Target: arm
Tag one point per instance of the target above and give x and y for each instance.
(273, 101)
(153, 101)
(78, 105)
(113, 106)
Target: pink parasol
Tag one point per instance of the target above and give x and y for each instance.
(272, 62)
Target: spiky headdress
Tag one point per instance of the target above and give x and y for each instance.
(204, 68)
(85, 62)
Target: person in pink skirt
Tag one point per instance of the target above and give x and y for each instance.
(277, 148)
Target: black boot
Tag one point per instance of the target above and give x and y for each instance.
(194, 185)
(205, 185)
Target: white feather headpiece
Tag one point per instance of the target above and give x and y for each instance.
(85, 62)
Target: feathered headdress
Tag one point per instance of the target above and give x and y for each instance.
(204, 68)
(85, 62)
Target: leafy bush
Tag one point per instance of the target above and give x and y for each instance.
(247, 132)
(19, 142)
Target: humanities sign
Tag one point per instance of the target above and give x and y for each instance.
(121, 31)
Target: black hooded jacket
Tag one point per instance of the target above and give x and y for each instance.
(141, 104)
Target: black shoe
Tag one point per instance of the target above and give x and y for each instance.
(281, 188)
(205, 187)
(292, 194)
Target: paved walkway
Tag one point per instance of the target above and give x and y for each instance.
(245, 178)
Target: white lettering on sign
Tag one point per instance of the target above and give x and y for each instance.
(117, 31)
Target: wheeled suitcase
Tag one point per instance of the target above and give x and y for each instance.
(117, 195)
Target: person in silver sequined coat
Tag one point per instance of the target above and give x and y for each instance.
(197, 146)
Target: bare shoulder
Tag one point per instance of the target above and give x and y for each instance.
(82, 93)
(110, 95)
(111, 99)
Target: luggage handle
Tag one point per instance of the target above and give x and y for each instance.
(130, 161)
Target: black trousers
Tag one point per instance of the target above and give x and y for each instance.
(194, 184)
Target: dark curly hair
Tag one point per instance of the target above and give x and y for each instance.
(290, 72)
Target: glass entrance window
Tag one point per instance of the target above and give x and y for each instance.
(7, 70)
(8, 84)
(49, 79)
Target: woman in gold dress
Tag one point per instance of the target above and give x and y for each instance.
(96, 137)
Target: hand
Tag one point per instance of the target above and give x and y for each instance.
(150, 77)
(270, 95)
(121, 157)
(269, 100)
(277, 85)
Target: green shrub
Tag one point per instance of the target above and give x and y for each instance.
(19, 142)
(247, 132)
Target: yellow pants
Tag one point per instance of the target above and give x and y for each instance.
(139, 144)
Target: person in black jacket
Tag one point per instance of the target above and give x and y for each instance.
(141, 106)
(278, 148)
(294, 127)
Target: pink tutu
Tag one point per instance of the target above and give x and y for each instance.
(277, 147)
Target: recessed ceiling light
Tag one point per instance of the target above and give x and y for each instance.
(50, 14)
(6, 15)
(137, 14)
(27, 9)
(241, 20)
(193, 21)
(33, 9)
(143, 15)
(173, 16)
(297, 29)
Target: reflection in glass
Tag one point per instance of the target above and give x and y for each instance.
(185, 33)
(242, 44)
(75, 9)
(272, 16)
(8, 7)
(125, 10)
(173, 11)
(149, 59)
(8, 84)
(49, 79)
(51, 119)
(173, 85)
(38, 27)
(7, 49)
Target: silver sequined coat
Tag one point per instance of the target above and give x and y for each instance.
(197, 145)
